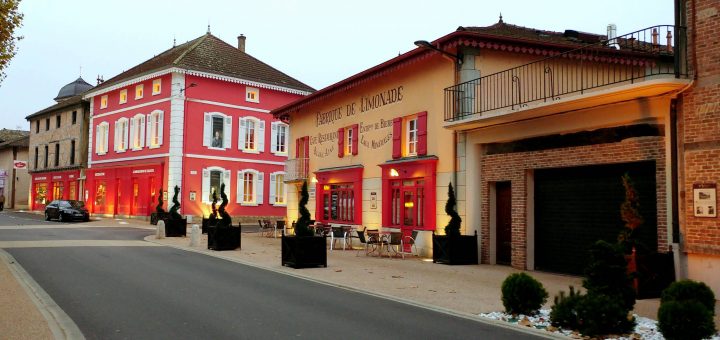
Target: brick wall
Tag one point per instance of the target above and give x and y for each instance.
(514, 167)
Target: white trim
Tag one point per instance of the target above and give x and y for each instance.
(133, 81)
(240, 107)
(233, 159)
(130, 158)
(132, 107)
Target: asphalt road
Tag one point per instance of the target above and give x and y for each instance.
(166, 293)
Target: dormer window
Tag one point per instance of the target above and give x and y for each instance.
(252, 95)
(157, 86)
(103, 102)
(139, 91)
(123, 96)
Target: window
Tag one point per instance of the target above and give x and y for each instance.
(57, 154)
(217, 130)
(410, 135)
(47, 124)
(157, 86)
(37, 126)
(40, 193)
(250, 187)
(123, 96)
(72, 152)
(46, 157)
(252, 135)
(121, 135)
(101, 138)
(338, 202)
(103, 101)
(74, 117)
(36, 158)
(348, 140)
(279, 138)
(58, 190)
(137, 132)
(100, 190)
(408, 202)
(139, 91)
(212, 179)
(57, 121)
(155, 129)
(252, 95)
(278, 192)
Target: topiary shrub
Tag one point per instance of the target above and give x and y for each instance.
(687, 309)
(564, 311)
(225, 219)
(214, 213)
(600, 314)
(159, 208)
(685, 290)
(302, 227)
(453, 227)
(606, 273)
(522, 294)
(176, 205)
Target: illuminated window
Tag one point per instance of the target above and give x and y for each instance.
(217, 130)
(139, 91)
(123, 96)
(100, 193)
(101, 138)
(411, 137)
(278, 191)
(137, 131)
(213, 178)
(58, 190)
(408, 203)
(121, 134)
(252, 95)
(349, 141)
(155, 129)
(157, 86)
(250, 187)
(40, 193)
(279, 138)
(252, 135)
(338, 202)
(103, 101)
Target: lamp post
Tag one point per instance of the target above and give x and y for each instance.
(458, 58)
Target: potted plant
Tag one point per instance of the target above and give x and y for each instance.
(175, 224)
(222, 235)
(304, 249)
(212, 219)
(454, 248)
(159, 213)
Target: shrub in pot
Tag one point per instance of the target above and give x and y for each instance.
(522, 294)
(212, 219)
(304, 249)
(454, 248)
(687, 311)
(159, 213)
(222, 235)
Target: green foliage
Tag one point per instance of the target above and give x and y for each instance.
(225, 220)
(302, 227)
(159, 208)
(522, 294)
(10, 21)
(687, 310)
(176, 205)
(564, 310)
(630, 214)
(453, 227)
(606, 273)
(600, 314)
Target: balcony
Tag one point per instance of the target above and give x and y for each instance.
(297, 170)
(645, 63)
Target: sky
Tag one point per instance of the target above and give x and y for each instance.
(318, 42)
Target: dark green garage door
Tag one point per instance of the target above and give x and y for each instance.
(574, 207)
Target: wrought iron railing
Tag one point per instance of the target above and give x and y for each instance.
(626, 59)
(297, 169)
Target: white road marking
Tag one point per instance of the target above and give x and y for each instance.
(76, 243)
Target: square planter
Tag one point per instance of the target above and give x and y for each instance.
(455, 250)
(224, 238)
(175, 227)
(206, 223)
(156, 216)
(304, 251)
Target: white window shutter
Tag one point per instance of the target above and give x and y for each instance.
(116, 145)
(149, 130)
(106, 136)
(207, 134)
(125, 131)
(240, 186)
(273, 142)
(97, 140)
(226, 181)
(133, 130)
(260, 135)
(287, 138)
(241, 135)
(273, 178)
(206, 186)
(142, 131)
(259, 188)
(159, 118)
(227, 133)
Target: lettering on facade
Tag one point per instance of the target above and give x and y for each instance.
(99, 174)
(365, 104)
(57, 177)
(381, 99)
(375, 143)
(143, 171)
(40, 178)
(324, 151)
(193, 172)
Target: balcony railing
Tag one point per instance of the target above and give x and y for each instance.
(626, 59)
(297, 169)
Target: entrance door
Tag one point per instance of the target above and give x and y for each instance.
(503, 223)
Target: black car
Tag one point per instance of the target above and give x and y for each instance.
(66, 210)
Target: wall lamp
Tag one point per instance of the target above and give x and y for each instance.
(425, 44)
(189, 86)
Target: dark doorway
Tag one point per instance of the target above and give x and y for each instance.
(503, 223)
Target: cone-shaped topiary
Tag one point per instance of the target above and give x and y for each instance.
(606, 273)
(176, 205)
(630, 214)
(303, 223)
(225, 219)
(522, 294)
(159, 208)
(213, 215)
(453, 227)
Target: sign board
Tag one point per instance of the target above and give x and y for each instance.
(20, 165)
(192, 196)
(705, 199)
(373, 200)
(3, 173)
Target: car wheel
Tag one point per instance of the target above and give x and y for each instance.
(87, 219)
(47, 217)
(61, 218)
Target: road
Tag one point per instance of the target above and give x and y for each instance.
(139, 292)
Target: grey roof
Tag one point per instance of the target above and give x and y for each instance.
(77, 87)
(64, 104)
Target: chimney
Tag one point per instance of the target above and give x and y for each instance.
(611, 35)
(241, 42)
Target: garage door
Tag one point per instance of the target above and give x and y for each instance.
(574, 207)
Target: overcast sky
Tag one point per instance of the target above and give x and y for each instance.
(317, 42)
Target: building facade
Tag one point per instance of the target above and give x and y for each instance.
(14, 178)
(195, 116)
(58, 144)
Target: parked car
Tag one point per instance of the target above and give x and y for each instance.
(67, 210)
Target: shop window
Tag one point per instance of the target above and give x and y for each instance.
(408, 203)
(279, 137)
(74, 117)
(250, 187)
(41, 193)
(278, 190)
(121, 135)
(57, 154)
(212, 179)
(100, 192)
(252, 95)
(72, 191)
(252, 135)
(58, 120)
(155, 129)
(103, 102)
(338, 202)
(410, 135)
(123, 96)
(101, 138)
(157, 86)
(139, 91)
(217, 130)
(137, 132)
(58, 190)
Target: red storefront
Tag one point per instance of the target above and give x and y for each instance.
(50, 186)
(130, 190)
(339, 195)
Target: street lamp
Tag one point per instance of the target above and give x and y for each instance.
(426, 44)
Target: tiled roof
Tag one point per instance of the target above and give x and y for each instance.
(20, 141)
(212, 55)
(569, 37)
(10, 135)
(72, 101)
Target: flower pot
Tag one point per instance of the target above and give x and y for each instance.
(303, 251)
(455, 250)
(206, 223)
(157, 216)
(175, 227)
(224, 238)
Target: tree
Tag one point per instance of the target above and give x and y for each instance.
(10, 20)
(453, 227)
(303, 223)
(630, 214)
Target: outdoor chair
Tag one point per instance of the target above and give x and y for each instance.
(395, 243)
(279, 226)
(372, 238)
(265, 227)
(411, 241)
(341, 234)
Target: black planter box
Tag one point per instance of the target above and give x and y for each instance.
(224, 238)
(454, 250)
(156, 216)
(175, 227)
(304, 251)
(655, 272)
(206, 223)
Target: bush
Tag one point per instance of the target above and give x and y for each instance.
(564, 310)
(686, 290)
(686, 320)
(453, 227)
(607, 274)
(600, 314)
(522, 294)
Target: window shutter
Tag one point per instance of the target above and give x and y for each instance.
(307, 149)
(422, 133)
(116, 145)
(97, 140)
(273, 178)
(149, 131)
(355, 138)
(241, 136)
(142, 131)
(206, 186)
(397, 138)
(207, 135)
(297, 147)
(273, 138)
(287, 136)
(227, 133)
(159, 118)
(106, 136)
(341, 142)
(240, 186)
(260, 136)
(133, 124)
(259, 184)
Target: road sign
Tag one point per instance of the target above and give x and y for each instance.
(20, 164)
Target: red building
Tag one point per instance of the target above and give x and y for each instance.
(195, 116)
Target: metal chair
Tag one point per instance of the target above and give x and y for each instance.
(395, 243)
(279, 226)
(411, 241)
(337, 233)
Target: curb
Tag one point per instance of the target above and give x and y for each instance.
(60, 324)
